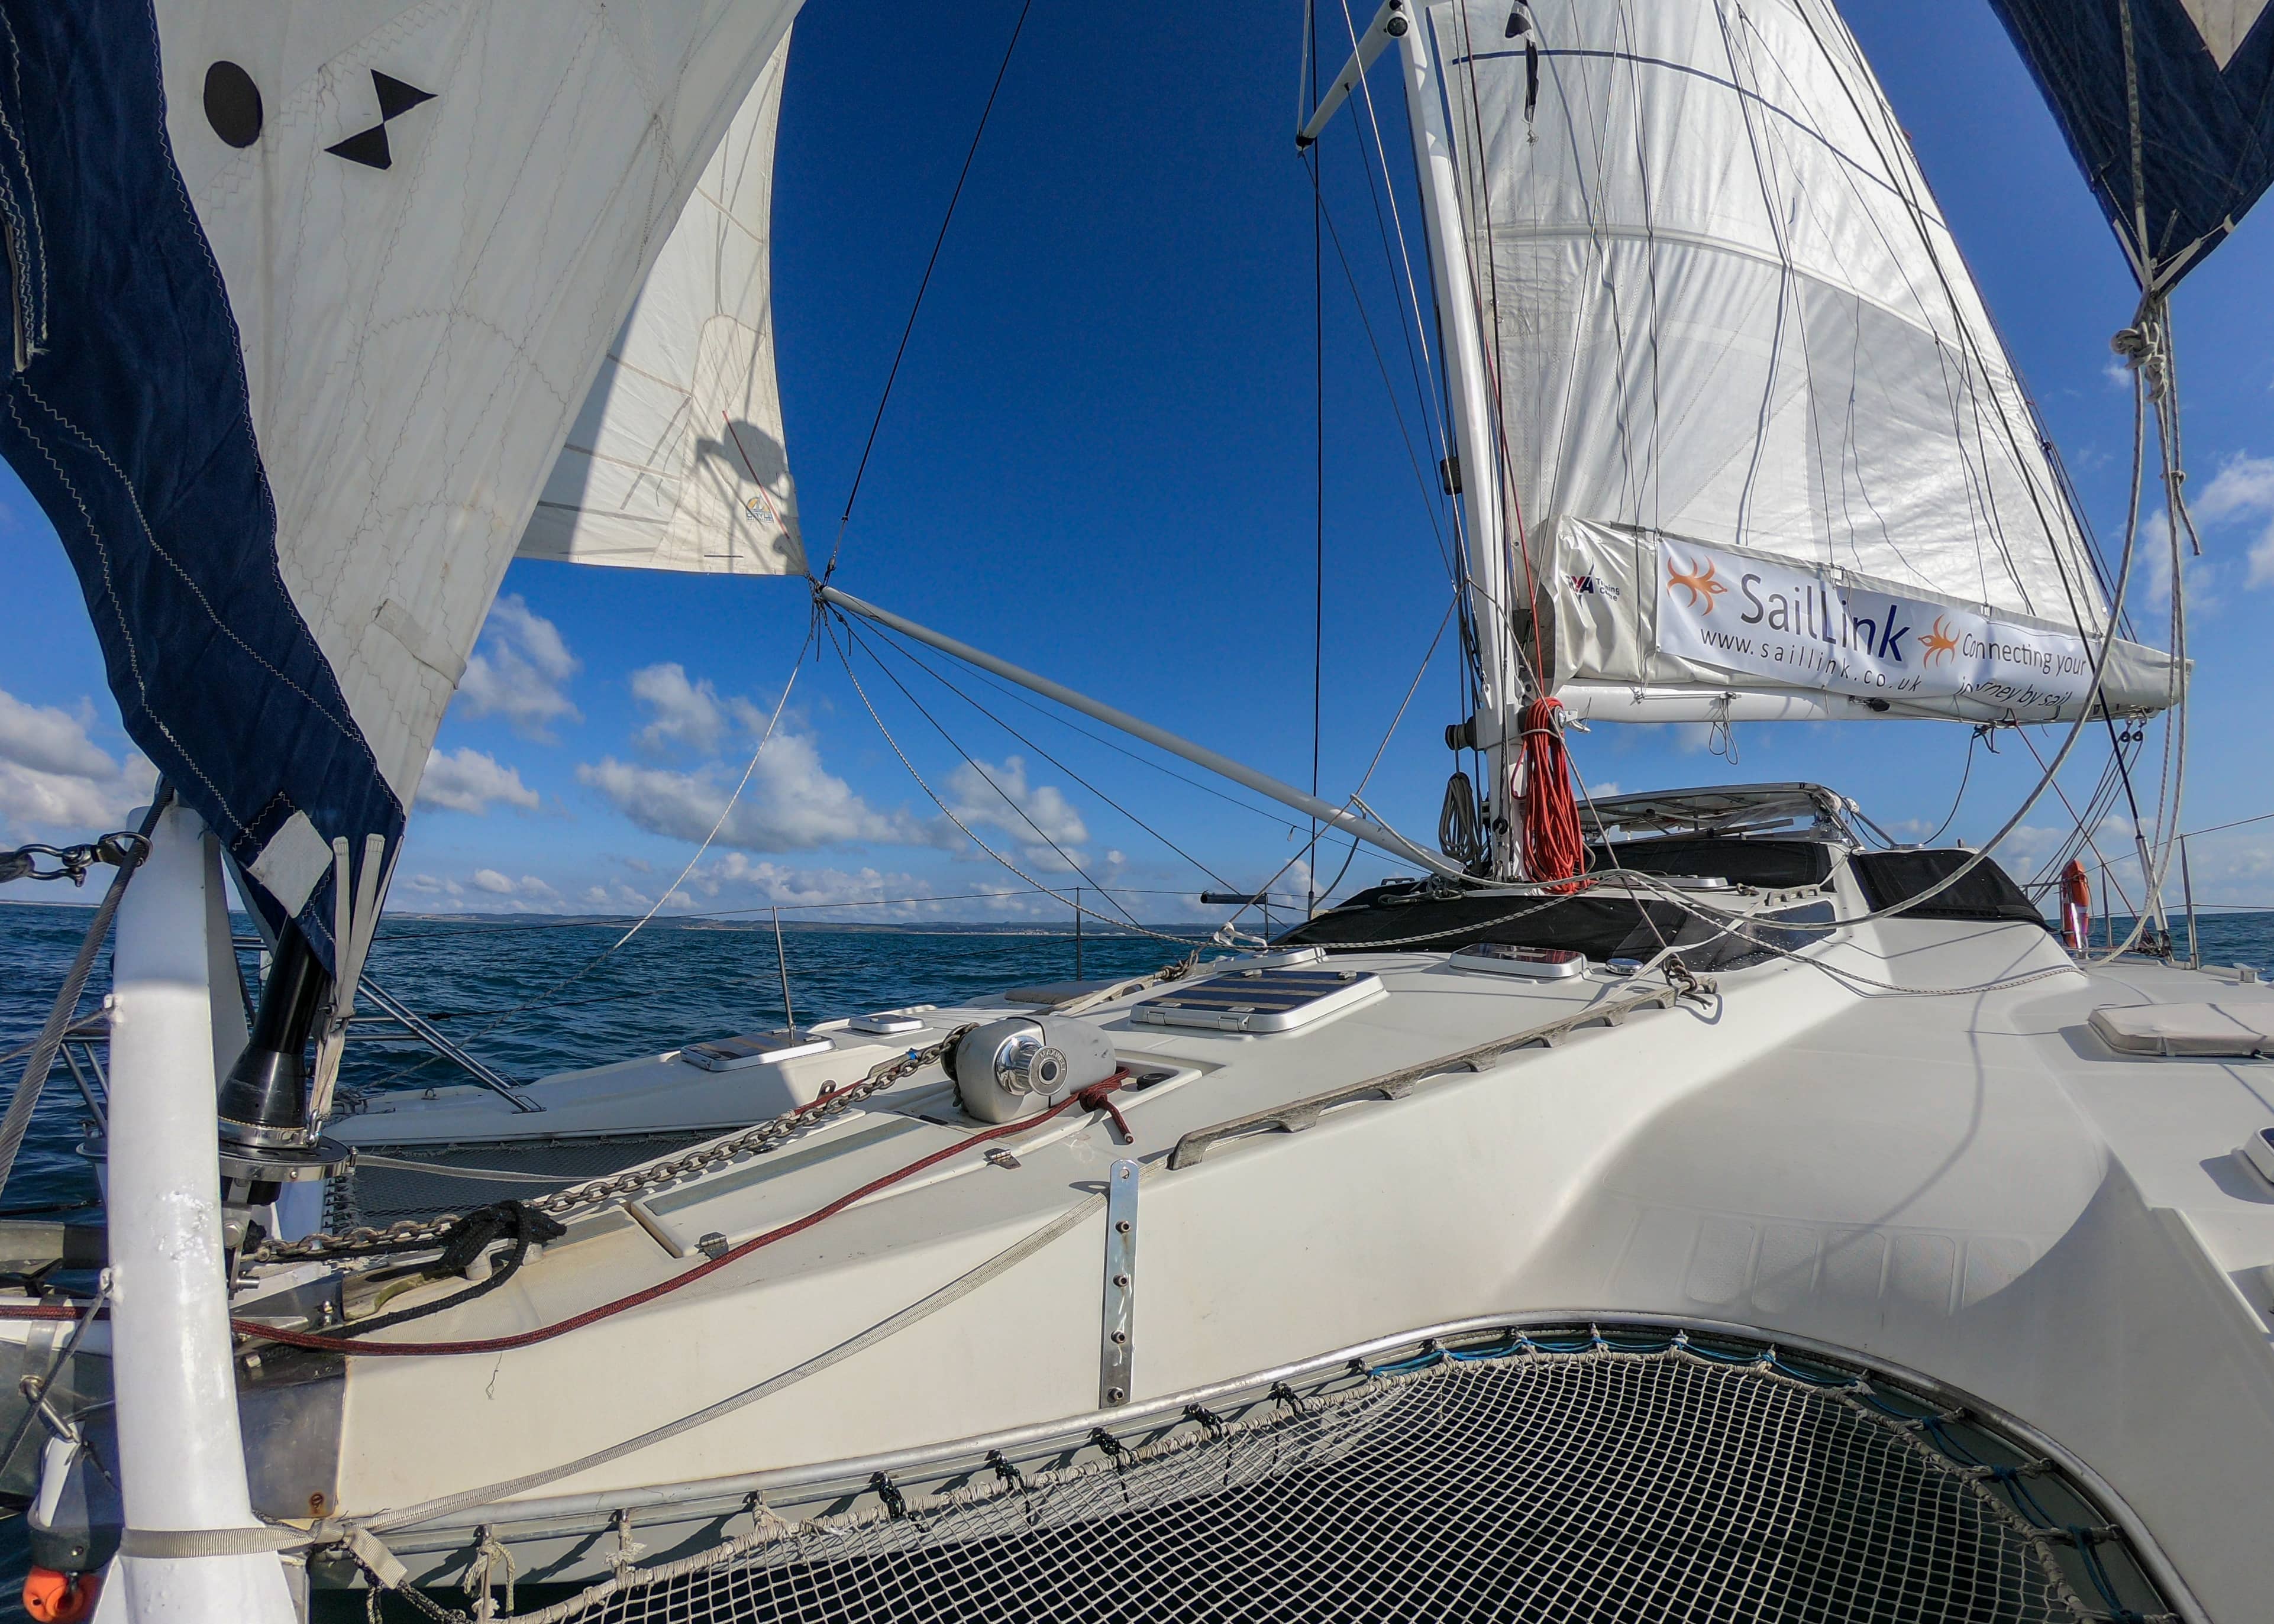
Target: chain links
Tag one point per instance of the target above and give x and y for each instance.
(121, 849)
(753, 1141)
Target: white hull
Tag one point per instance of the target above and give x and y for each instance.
(1970, 1186)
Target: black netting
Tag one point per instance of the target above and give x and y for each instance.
(1592, 1485)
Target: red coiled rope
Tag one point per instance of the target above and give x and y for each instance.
(1549, 842)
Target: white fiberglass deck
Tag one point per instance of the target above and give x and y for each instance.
(1970, 1186)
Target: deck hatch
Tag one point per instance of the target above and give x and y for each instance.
(1260, 1001)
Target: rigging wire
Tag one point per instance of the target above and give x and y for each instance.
(1965, 773)
(949, 812)
(1277, 819)
(1003, 795)
(899, 646)
(1436, 401)
(1429, 497)
(922, 287)
(718, 824)
(1318, 490)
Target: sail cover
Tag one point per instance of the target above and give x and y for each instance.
(1769, 452)
(305, 296)
(2201, 75)
(676, 460)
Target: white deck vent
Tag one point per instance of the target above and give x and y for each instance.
(1260, 1001)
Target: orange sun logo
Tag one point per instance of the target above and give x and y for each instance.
(1938, 644)
(1699, 583)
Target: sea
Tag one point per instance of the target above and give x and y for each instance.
(534, 996)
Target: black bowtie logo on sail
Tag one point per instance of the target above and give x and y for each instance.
(369, 146)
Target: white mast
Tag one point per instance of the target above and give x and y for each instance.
(181, 1455)
(1494, 592)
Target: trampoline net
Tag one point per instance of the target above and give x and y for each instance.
(1595, 1483)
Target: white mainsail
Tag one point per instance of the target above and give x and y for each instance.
(1770, 455)
(677, 459)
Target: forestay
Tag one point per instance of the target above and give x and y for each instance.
(2168, 106)
(677, 460)
(1771, 455)
(306, 295)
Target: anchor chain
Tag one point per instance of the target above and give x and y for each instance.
(753, 1141)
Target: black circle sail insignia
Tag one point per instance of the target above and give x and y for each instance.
(232, 104)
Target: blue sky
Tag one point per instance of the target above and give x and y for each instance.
(1098, 462)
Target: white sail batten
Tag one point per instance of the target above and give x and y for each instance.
(1732, 336)
(677, 459)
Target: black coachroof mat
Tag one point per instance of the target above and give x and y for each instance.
(1986, 893)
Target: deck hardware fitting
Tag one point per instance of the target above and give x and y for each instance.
(896, 1504)
(1117, 1347)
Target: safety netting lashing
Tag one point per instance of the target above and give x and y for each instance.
(1527, 1479)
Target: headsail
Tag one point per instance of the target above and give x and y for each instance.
(677, 460)
(2198, 74)
(1771, 455)
(306, 295)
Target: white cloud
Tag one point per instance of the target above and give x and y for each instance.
(813, 889)
(486, 891)
(520, 671)
(2243, 490)
(50, 741)
(690, 714)
(467, 781)
(526, 890)
(55, 779)
(791, 804)
(983, 793)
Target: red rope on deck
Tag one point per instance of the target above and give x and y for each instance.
(1092, 1098)
(1549, 842)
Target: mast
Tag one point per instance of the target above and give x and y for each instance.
(1490, 584)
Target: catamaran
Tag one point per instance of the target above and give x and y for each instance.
(1671, 1206)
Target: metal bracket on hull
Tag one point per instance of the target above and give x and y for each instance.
(1117, 1348)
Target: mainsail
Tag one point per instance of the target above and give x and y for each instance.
(1767, 452)
(2168, 106)
(306, 295)
(677, 460)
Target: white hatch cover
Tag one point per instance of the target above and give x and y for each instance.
(756, 1049)
(1260, 1000)
(2206, 1029)
(1538, 964)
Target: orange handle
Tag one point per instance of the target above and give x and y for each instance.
(54, 1597)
